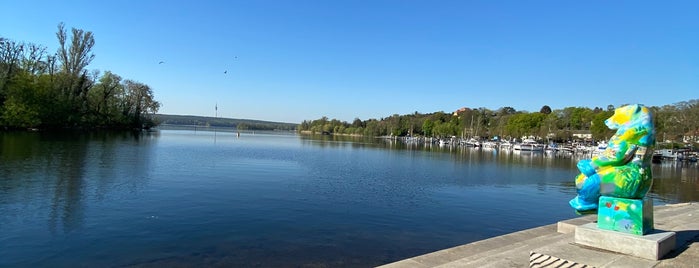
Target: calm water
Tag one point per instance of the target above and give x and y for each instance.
(202, 198)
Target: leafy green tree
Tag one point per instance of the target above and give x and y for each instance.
(11, 54)
(427, 127)
(394, 125)
(138, 104)
(20, 114)
(74, 81)
(372, 128)
(104, 97)
(357, 123)
(525, 124)
(444, 129)
(21, 109)
(500, 125)
(304, 126)
(548, 125)
(545, 109)
(599, 129)
(78, 55)
(688, 117)
(507, 110)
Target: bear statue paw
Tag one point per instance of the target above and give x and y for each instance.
(582, 206)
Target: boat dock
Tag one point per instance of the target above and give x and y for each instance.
(554, 246)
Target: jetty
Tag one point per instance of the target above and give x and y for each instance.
(555, 246)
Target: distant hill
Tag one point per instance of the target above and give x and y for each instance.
(242, 124)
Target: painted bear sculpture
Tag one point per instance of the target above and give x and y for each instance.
(623, 169)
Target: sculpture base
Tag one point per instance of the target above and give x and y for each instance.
(652, 246)
(632, 216)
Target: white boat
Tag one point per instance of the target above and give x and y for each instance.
(669, 154)
(473, 143)
(601, 147)
(673, 154)
(506, 145)
(529, 145)
(490, 144)
(567, 148)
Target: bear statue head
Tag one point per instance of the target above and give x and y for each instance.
(633, 123)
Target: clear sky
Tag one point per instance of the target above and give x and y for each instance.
(292, 60)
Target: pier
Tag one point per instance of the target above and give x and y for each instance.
(554, 246)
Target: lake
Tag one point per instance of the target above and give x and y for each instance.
(192, 198)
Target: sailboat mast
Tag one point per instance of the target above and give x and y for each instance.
(470, 130)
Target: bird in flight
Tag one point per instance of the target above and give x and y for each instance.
(225, 72)
(161, 62)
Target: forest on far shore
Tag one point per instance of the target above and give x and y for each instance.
(677, 123)
(205, 121)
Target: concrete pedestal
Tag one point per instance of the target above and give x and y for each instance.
(653, 245)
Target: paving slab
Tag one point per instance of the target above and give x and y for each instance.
(513, 250)
(568, 226)
(568, 250)
(538, 260)
(508, 255)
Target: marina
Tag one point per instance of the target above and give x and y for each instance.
(579, 149)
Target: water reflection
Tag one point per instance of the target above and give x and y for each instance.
(57, 175)
(675, 182)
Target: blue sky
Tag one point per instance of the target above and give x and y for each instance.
(290, 61)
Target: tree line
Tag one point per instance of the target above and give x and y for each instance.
(673, 122)
(240, 124)
(39, 89)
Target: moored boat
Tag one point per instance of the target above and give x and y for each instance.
(472, 142)
(529, 145)
(490, 144)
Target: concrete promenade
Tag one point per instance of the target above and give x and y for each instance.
(556, 245)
